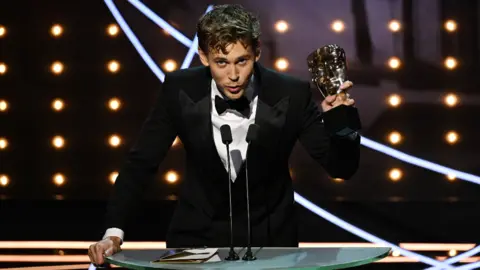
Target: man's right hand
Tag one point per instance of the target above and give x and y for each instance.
(107, 247)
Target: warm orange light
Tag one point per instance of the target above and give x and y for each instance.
(338, 26)
(57, 67)
(451, 100)
(394, 25)
(114, 104)
(176, 142)
(171, 176)
(281, 64)
(394, 62)
(281, 26)
(115, 140)
(395, 137)
(56, 30)
(3, 105)
(394, 100)
(451, 177)
(58, 142)
(4, 180)
(3, 31)
(113, 177)
(113, 66)
(3, 68)
(395, 174)
(450, 63)
(452, 253)
(113, 30)
(58, 105)
(452, 137)
(59, 179)
(3, 143)
(450, 25)
(170, 65)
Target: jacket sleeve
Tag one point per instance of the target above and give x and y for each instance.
(156, 137)
(339, 156)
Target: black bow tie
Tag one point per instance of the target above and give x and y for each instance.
(242, 105)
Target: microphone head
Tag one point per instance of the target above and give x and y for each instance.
(226, 134)
(252, 133)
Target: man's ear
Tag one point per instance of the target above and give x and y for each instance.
(203, 57)
(258, 52)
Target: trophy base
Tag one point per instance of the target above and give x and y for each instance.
(342, 120)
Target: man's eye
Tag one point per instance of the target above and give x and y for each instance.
(221, 62)
(242, 61)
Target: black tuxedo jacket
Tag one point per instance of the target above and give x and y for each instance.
(285, 112)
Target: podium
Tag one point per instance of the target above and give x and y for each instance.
(267, 258)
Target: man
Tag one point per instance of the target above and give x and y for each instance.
(194, 103)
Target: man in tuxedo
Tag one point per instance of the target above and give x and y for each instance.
(231, 88)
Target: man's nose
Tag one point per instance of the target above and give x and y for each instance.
(233, 74)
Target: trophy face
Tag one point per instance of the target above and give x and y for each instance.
(327, 66)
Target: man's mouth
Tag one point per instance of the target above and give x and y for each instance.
(233, 89)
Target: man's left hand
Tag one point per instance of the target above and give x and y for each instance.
(333, 101)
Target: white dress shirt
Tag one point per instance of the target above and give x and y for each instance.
(238, 124)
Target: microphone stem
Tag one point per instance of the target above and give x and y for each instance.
(248, 205)
(230, 197)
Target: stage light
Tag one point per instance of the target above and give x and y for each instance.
(3, 143)
(451, 177)
(452, 137)
(450, 25)
(170, 65)
(395, 174)
(3, 31)
(58, 142)
(395, 253)
(59, 179)
(394, 25)
(281, 64)
(113, 177)
(281, 26)
(450, 100)
(450, 62)
(171, 176)
(58, 104)
(114, 104)
(4, 180)
(3, 68)
(394, 100)
(3, 105)
(115, 140)
(452, 253)
(395, 137)
(56, 30)
(113, 30)
(337, 26)
(113, 66)
(176, 142)
(394, 62)
(57, 67)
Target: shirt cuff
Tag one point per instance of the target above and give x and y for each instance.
(114, 232)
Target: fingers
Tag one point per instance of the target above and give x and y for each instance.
(97, 252)
(346, 85)
(330, 99)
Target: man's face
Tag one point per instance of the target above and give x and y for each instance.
(231, 71)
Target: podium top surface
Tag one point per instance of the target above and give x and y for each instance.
(267, 258)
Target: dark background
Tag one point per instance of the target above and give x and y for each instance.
(422, 207)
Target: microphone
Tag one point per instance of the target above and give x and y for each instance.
(226, 134)
(252, 136)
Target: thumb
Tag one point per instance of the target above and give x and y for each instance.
(109, 251)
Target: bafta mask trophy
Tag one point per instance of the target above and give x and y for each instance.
(328, 68)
